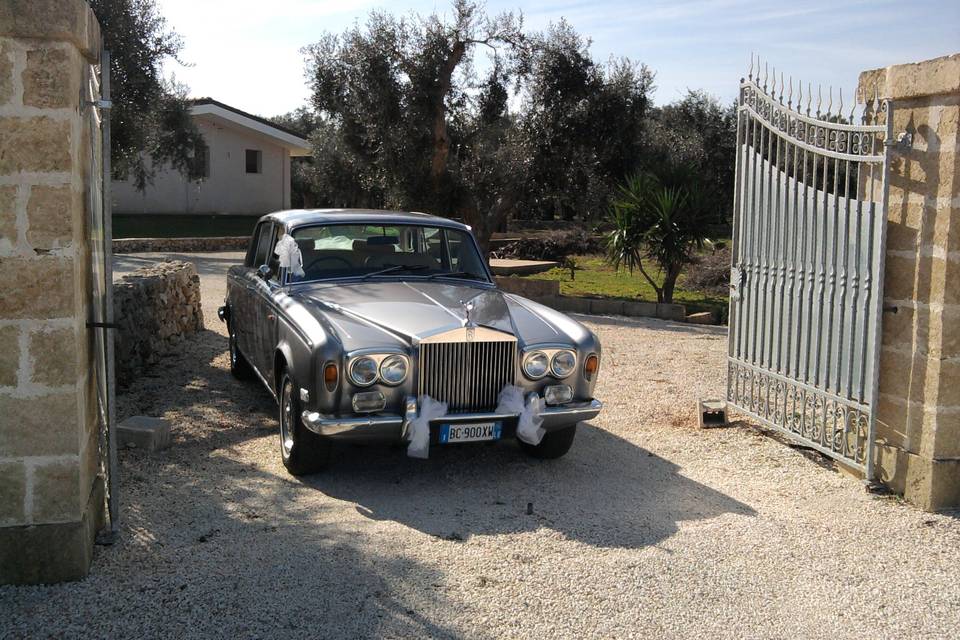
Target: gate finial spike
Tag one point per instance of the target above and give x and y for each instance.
(840, 107)
(750, 71)
(853, 109)
(790, 92)
(773, 82)
(809, 96)
(765, 75)
(830, 104)
(781, 87)
(819, 99)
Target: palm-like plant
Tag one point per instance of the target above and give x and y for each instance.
(660, 216)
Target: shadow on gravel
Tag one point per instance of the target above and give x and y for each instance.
(606, 492)
(218, 541)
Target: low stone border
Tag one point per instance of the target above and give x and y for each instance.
(180, 245)
(608, 307)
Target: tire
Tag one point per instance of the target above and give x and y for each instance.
(554, 444)
(239, 366)
(301, 450)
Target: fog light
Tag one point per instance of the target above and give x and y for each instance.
(558, 394)
(368, 402)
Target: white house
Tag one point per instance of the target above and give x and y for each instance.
(246, 167)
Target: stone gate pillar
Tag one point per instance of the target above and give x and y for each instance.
(919, 405)
(51, 498)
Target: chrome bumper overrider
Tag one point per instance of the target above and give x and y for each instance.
(393, 427)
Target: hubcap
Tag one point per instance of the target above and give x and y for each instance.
(286, 418)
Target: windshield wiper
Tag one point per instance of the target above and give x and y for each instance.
(456, 274)
(395, 268)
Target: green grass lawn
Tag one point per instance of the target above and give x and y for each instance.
(598, 279)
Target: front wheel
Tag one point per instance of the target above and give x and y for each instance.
(301, 450)
(554, 444)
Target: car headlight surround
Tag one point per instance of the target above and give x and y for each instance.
(536, 364)
(563, 363)
(393, 370)
(364, 371)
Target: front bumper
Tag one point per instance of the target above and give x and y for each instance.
(393, 428)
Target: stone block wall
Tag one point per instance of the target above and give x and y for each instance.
(918, 411)
(154, 308)
(51, 494)
(181, 245)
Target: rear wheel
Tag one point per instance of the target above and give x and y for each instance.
(239, 366)
(554, 444)
(301, 450)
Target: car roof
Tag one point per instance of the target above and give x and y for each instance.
(293, 218)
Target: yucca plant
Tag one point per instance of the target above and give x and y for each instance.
(660, 217)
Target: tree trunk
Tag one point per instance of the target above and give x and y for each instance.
(484, 223)
(441, 137)
(670, 283)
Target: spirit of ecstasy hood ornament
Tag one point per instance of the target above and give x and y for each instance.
(467, 310)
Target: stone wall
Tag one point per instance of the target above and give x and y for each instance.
(918, 411)
(154, 308)
(181, 245)
(51, 494)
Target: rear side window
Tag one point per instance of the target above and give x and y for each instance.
(260, 253)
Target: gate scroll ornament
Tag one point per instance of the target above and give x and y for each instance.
(809, 231)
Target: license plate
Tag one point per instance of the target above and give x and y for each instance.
(476, 432)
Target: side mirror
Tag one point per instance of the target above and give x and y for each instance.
(264, 271)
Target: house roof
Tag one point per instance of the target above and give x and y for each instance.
(285, 137)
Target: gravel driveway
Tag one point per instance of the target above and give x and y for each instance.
(648, 528)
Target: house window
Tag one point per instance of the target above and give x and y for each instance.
(201, 162)
(254, 157)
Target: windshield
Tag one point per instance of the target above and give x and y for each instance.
(369, 250)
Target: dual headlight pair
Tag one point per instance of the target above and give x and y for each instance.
(559, 363)
(392, 369)
(389, 369)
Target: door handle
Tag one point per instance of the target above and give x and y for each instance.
(271, 317)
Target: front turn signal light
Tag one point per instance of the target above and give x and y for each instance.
(590, 366)
(330, 376)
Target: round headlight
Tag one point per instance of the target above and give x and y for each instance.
(535, 365)
(363, 371)
(563, 364)
(393, 369)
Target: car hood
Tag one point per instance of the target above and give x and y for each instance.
(366, 314)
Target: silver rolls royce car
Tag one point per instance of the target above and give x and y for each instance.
(356, 321)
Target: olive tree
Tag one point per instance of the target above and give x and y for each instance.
(150, 121)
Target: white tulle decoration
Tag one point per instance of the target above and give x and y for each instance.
(430, 409)
(528, 426)
(290, 256)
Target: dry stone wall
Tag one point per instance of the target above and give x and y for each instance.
(154, 308)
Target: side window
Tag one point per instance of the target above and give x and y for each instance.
(250, 261)
(261, 252)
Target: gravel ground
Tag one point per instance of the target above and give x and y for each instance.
(647, 528)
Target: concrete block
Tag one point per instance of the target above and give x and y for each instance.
(672, 312)
(640, 309)
(712, 413)
(34, 144)
(143, 432)
(605, 307)
(572, 304)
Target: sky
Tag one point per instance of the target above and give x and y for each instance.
(246, 53)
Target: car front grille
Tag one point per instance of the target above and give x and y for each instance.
(468, 376)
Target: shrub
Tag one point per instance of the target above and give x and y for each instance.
(556, 247)
(710, 272)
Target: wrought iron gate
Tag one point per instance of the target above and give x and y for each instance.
(810, 211)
